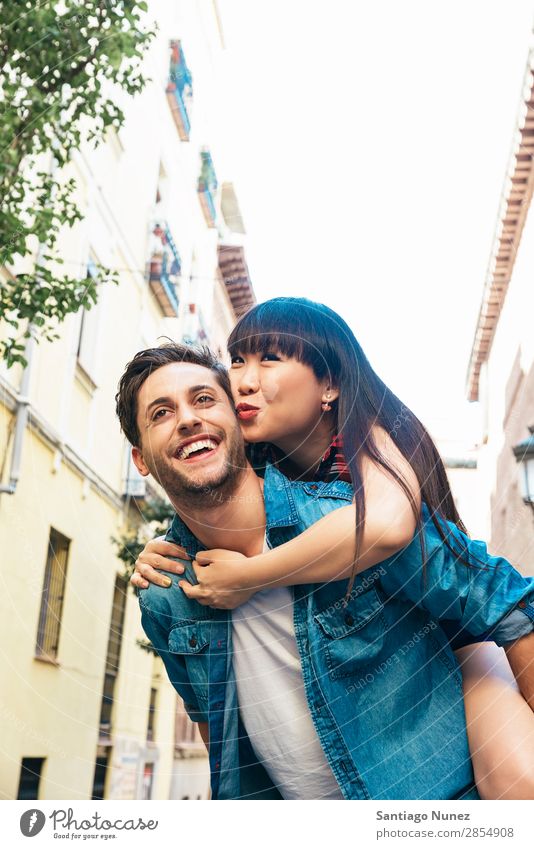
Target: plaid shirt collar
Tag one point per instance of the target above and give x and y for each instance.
(332, 465)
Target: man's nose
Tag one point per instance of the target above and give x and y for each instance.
(188, 419)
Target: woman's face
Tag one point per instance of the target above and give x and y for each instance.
(278, 398)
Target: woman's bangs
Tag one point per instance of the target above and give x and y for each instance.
(250, 336)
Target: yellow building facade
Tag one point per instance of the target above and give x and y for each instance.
(85, 711)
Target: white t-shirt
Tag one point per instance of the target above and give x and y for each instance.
(272, 700)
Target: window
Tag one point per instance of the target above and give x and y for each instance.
(148, 781)
(30, 777)
(99, 781)
(151, 714)
(52, 596)
(87, 337)
(107, 705)
(185, 731)
(113, 654)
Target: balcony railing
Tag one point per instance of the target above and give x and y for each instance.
(207, 188)
(165, 269)
(180, 91)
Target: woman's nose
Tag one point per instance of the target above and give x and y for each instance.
(248, 381)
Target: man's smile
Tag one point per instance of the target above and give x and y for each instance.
(197, 448)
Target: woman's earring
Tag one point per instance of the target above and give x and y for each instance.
(325, 406)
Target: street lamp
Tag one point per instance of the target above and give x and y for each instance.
(524, 454)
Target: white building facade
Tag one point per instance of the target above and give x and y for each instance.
(501, 367)
(86, 713)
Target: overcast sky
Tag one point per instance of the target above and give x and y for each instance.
(368, 144)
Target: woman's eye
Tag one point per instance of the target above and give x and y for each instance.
(237, 361)
(204, 399)
(270, 356)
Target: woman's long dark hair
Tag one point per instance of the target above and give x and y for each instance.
(316, 335)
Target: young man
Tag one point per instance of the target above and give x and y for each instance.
(331, 701)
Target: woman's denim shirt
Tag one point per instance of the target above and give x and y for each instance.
(382, 683)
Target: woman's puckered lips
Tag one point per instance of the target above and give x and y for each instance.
(246, 411)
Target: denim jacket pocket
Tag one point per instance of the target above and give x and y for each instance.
(191, 639)
(353, 636)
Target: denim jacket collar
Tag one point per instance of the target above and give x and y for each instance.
(280, 507)
(382, 652)
(180, 533)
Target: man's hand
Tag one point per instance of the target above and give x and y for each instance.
(155, 556)
(220, 576)
(521, 658)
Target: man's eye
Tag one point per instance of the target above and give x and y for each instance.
(159, 414)
(204, 399)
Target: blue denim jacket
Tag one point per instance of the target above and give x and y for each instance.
(382, 683)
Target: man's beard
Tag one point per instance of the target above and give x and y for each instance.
(182, 488)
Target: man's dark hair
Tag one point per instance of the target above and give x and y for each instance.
(145, 363)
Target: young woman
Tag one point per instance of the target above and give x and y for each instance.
(309, 401)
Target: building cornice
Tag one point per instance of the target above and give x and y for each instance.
(515, 201)
(38, 425)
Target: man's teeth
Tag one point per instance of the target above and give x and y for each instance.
(187, 450)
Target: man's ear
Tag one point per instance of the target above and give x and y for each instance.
(140, 464)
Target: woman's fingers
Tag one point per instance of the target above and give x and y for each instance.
(138, 581)
(156, 556)
(158, 562)
(204, 558)
(197, 568)
(193, 592)
(153, 576)
(160, 547)
(150, 571)
(147, 563)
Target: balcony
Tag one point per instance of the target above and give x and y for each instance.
(207, 188)
(235, 275)
(180, 91)
(165, 269)
(195, 332)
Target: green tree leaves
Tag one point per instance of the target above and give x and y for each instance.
(154, 519)
(61, 64)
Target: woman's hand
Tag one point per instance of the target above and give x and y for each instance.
(221, 579)
(155, 556)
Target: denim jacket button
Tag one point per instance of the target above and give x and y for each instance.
(522, 605)
(314, 486)
(349, 620)
(193, 642)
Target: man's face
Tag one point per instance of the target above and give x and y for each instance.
(190, 438)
